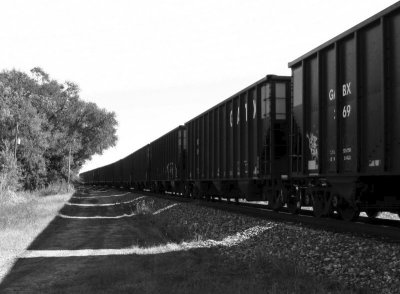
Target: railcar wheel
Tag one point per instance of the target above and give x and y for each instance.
(347, 212)
(294, 203)
(320, 205)
(307, 199)
(186, 192)
(275, 200)
(372, 212)
(335, 201)
(196, 193)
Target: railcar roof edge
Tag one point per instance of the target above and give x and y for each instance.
(265, 78)
(350, 31)
(169, 132)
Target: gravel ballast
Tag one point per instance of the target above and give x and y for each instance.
(358, 263)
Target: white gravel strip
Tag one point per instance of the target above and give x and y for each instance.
(171, 247)
(165, 208)
(96, 216)
(113, 217)
(104, 204)
(104, 196)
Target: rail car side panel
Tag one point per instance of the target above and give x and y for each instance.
(140, 167)
(392, 57)
(297, 123)
(348, 143)
(330, 113)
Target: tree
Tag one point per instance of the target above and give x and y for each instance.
(10, 173)
(51, 120)
(18, 114)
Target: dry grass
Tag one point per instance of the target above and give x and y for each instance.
(144, 208)
(23, 208)
(22, 217)
(56, 189)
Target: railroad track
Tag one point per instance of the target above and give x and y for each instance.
(382, 229)
(388, 230)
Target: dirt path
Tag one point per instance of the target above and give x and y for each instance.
(100, 229)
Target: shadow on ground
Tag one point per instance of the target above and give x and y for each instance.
(203, 270)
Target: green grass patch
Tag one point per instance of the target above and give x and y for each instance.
(206, 270)
(23, 216)
(18, 209)
(194, 271)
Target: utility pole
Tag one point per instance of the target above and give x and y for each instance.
(69, 166)
(16, 141)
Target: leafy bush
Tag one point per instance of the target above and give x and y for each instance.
(144, 208)
(55, 188)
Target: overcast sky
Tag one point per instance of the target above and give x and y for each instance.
(159, 63)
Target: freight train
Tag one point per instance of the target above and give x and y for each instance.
(328, 137)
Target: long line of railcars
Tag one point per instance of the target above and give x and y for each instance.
(326, 137)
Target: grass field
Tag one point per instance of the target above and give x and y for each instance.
(193, 271)
(214, 269)
(22, 217)
(202, 270)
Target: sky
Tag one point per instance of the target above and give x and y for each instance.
(159, 63)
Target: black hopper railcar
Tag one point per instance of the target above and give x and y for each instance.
(240, 147)
(167, 163)
(346, 126)
(326, 137)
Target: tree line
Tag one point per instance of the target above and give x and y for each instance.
(43, 125)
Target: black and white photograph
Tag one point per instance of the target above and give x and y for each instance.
(242, 146)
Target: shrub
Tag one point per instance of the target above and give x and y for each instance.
(55, 188)
(144, 208)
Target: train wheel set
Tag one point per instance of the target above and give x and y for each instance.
(327, 137)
